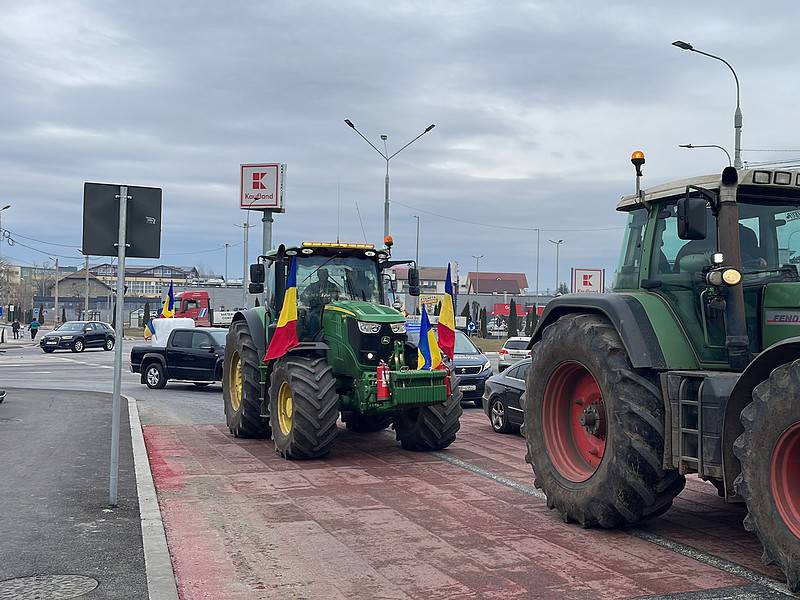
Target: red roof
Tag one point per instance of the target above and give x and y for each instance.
(490, 282)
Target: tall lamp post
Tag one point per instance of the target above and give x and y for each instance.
(707, 146)
(387, 157)
(477, 270)
(737, 116)
(558, 245)
(227, 245)
(7, 206)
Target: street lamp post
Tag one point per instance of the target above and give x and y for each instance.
(227, 245)
(7, 206)
(558, 245)
(245, 275)
(737, 116)
(477, 270)
(387, 157)
(707, 146)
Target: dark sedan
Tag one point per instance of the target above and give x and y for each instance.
(501, 398)
(79, 335)
(472, 368)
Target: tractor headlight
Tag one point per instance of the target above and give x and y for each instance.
(731, 276)
(365, 327)
(398, 327)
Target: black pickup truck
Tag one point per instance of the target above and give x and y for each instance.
(194, 355)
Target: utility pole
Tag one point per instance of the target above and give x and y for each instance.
(558, 245)
(245, 275)
(2, 237)
(86, 291)
(55, 320)
(387, 157)
(227, 245)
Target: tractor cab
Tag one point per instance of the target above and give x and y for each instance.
(683, 246)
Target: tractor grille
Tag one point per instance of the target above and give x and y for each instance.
(380, 345)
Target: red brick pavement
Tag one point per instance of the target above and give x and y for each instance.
(373, 521)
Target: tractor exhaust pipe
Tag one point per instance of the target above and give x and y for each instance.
(736, 341)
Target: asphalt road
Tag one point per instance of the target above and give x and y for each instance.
(27, 366)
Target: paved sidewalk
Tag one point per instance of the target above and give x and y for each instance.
(54, 513)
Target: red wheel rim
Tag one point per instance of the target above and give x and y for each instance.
(785, 477)
(574, 422)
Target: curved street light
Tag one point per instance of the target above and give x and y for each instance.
(737, 116)
(707, 146)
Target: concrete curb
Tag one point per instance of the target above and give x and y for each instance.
(161, 584)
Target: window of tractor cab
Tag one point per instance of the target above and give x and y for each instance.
(627, 274)
(323, 279)
(767, 236)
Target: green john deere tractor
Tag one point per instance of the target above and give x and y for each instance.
(690, 365)
(353, 358)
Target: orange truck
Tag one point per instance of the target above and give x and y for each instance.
(197, 305)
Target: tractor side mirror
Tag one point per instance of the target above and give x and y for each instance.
(691, 218)
(258, 274)
(255, 288)
(413, 282)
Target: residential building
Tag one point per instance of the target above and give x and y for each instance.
(147, 281)
(496, 283)
(73, 285)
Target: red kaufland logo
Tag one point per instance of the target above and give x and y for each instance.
(587, 280)
(258, 184)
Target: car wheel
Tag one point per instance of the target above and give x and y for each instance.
(48, 350)
(154, 376)
(78, 346)
(498, 417)
(109, 345)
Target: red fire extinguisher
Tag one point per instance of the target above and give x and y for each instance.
(382, 389)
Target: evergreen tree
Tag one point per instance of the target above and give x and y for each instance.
(466, 312)
(530, 322)
(41, 314)
(146, 314)
(562, 288)
(483, 323)
(437, 309)
(63, 314)
(257, 302)
(512, 319)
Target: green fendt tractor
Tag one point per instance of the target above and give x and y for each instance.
(690, 365)
(353, 358)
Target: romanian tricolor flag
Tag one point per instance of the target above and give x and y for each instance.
(429, 356)
(167, 311)
(285, 336)
(447, 320)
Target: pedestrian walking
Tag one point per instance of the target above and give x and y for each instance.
(15, 327)
(34, 328)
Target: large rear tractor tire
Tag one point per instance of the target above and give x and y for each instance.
(595, 427)
(303, 407)
(366, 423)
(430, 427)
(241, 388)
(769, 451)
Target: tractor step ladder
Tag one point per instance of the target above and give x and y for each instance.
(690, 422)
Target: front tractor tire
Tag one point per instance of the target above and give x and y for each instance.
(303, 407)
(769, 452)
(241, 388)
(594, 427)
(430, 427)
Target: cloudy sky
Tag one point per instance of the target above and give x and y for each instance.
(537, 107)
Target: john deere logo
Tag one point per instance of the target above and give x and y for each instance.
(385, 339)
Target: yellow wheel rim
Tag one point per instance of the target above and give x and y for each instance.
(236, 382)
(285, 408)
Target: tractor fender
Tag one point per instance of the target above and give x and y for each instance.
(780, 353)
(255, 322)
(625, 313)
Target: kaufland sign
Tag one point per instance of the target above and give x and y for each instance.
(261, 186)
(588, 280)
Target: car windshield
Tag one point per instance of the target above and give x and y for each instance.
(71, 326)
(464, 345)
(219, 337)
(516, 345)
(322, 279)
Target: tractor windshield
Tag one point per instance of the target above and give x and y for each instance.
(323, 279)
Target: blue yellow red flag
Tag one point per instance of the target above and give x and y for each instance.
(168, 310)
(428, 354)
(447, 320)
(285, 336)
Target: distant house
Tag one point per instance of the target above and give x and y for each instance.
(149, 281)
(431, 279)
(496, 283)
(73, 285)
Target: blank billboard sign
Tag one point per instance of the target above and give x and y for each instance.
(101, 220)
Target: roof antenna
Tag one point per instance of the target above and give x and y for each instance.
(360, 220)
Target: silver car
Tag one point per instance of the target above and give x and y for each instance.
(515, 349)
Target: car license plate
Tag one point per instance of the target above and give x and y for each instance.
(467, 388)
(51, 342)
